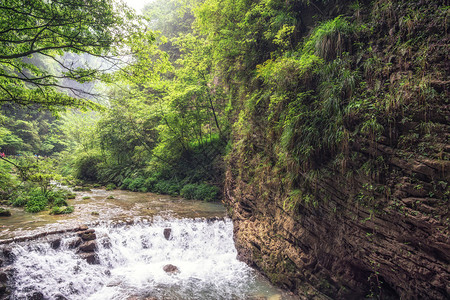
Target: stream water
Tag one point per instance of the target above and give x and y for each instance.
(132, 251)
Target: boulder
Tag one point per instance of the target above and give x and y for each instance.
(106, 243)
(88, 236)
(4, 212)
(91, 258)
(8, 253)
(83, 228)
(171, 269)
(3, 277)
(167, 233)
(114, 283)
(89, 246)
(60, 297)
(75, 243)
(35, 296)
(55, 243)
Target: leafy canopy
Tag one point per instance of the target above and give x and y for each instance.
(36, 35)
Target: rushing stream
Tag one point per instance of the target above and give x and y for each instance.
(132, 256)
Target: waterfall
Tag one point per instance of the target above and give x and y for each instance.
(132, 260)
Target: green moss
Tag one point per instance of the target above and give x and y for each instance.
(110, 186)
(61, 210)
(4, 212)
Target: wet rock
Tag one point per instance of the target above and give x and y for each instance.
(89, 246)
(106, 243)
(36, 296)
(171, 269)
(8, 253)
(60, 297)
(83, 228)
(3, 288)
(213, 219)
(113, 283)
(87, 231)
(88, 236)
(55, 244)
(3, 277)
(140, 298)
(167, 233)
(91, 258)
(75, 243)
(4, 212)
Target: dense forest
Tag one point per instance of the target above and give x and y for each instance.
(322, 125)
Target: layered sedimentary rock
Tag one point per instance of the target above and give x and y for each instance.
(343, 248)
(369, 217)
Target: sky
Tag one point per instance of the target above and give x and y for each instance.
(137, 4)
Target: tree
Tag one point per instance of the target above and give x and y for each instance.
(37, 33)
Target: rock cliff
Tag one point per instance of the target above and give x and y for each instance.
(368, 217)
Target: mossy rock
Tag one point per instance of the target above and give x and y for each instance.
(110, 197)
(4, 212)
(61, 210)
(86, 197)
(110, 186)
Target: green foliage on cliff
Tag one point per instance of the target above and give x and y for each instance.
(287, 86)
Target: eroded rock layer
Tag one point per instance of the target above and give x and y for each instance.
(369, 215)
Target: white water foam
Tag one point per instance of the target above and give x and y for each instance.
(132, 258)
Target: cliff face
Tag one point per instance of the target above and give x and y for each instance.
(341, 247)
(368, 217)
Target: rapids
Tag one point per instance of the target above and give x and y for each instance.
(132, 255)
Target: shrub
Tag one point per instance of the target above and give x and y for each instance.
(86, 167)
(206, 192)
(19, 201)
(60, 202)
(161, 187)
(136, 184)
(202, 191)
(110, 186)
(167, 187)
(188, 191)
(36, 203)
(54, 196)
(126, 184)
(150, 183)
